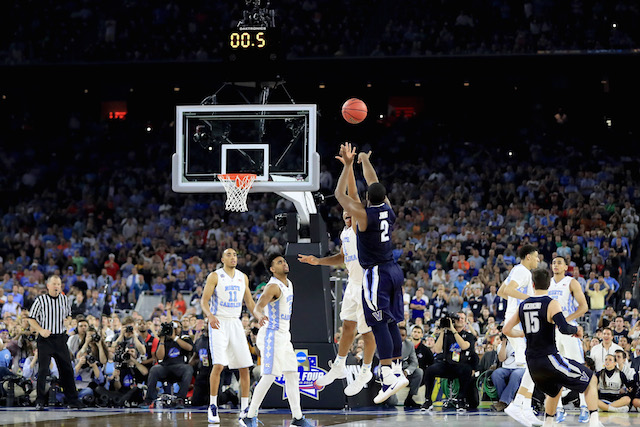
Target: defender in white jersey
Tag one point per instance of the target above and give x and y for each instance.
(351, 313)
(568, 292)
(517, 287)
(221, 303)
(273, 312)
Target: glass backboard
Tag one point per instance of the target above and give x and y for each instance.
(277, 142)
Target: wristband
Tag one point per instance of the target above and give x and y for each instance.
(175, 339)
(161, 343)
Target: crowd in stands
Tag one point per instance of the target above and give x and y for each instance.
(142, 30)
(112, 228)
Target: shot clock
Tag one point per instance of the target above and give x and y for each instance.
(248, 38)
(253, 43)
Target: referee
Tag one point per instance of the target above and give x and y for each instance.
(46, 317)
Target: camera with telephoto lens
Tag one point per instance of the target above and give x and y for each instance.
(447, 319)
(95, 337)
(166, 329)
(89, 360)
(255, 330)
(129, 329)
(121, 355)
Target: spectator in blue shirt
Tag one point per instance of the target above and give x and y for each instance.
(418, 305)
(614, 287)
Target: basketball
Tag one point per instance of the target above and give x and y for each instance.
(354, 110)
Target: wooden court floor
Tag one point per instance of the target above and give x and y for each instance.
(101, 417)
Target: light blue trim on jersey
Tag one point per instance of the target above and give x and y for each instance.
(269, 351)
(274, 314)
(213, 361)
(214, 303)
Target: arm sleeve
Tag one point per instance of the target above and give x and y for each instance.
(563, 326)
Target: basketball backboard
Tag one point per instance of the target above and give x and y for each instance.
(277, 142)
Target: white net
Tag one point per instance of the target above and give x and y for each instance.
(237, 186)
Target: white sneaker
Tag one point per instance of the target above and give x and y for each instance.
(515, 412)
(391, 384)
(531, 417)
(621, 409)
(358, 384)
(338, 371)
(212, 415)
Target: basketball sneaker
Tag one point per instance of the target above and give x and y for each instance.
(515, 412)
(251, 422)
(561, 415)
(338, 371)
(391, 384)
(528, 415)
(620, 409)
(242, 416)
(358, 384)
(584, 415)
(301, 422)
(212, 415)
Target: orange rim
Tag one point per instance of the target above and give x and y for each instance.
(239, 178)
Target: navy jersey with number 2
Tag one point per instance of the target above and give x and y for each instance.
(374, 244)
(383, 278)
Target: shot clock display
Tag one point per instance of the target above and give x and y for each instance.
(253, 43)
(248, 38)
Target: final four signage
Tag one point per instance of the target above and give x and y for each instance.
(308, 372)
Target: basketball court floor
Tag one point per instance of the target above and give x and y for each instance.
(105, 417)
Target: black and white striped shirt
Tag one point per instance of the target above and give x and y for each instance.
(50, 312)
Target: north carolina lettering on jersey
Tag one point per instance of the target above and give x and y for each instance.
(232, 288)
(230, 304)
(350, 258)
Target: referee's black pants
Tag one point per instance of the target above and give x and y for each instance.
(55, 346)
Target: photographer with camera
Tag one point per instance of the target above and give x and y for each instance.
(88, 371)
(173, 352)
(129, 374)
(78, 340)
(94, 345)
(458, 350)
(150, 344)
(129, 334)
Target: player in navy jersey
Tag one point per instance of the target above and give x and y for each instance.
(382, 283)
(539, 316)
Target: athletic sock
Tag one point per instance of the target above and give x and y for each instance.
(213, 400)
(366, 366)
(292, 385)
(583, 401)
(244, 403)
(259, 393)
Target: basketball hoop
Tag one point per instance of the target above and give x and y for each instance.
(237, 186)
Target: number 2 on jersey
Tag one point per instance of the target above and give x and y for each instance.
(531, 322)
(384, 230)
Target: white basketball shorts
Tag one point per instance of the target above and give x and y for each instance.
(570, 347)
(276, 352)
(352, 307)
(228, 344)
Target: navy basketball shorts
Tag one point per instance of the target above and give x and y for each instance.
(551, 373)
(382, 294)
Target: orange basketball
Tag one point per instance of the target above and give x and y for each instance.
(354, 110)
